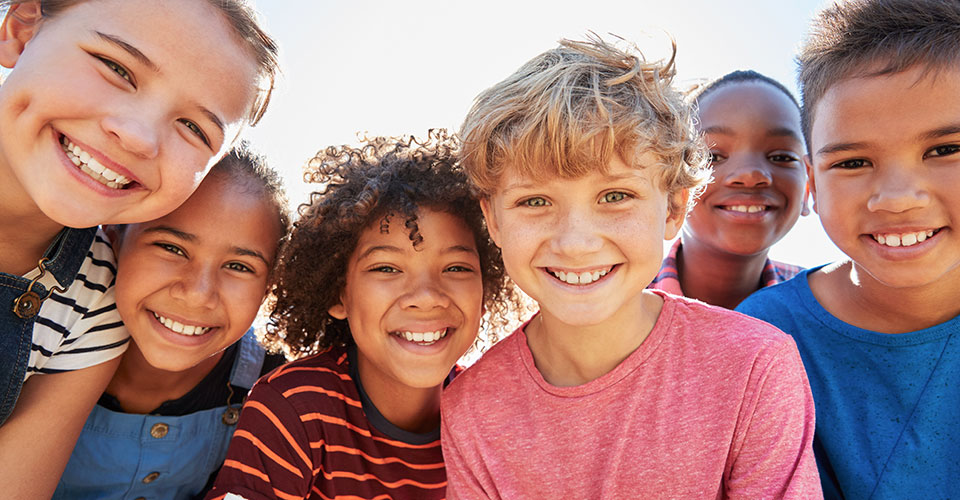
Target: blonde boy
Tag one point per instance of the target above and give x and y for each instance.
(584, 159)
(878, 331)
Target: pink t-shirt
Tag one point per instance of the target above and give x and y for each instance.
(713, 404)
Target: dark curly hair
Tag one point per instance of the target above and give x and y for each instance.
(384, 177)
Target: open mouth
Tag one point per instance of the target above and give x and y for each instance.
(90, 166)
(904, 239)
(746, 209)
(422, 338)
(182, 329)
(580, 278)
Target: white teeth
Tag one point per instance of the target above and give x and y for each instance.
(903, 239)
(180, 327)
(751, 209)
(423, 338)
(91, 166)
(584, 278)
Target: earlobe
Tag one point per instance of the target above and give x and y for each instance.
(676, 217)
(338, 310)
(490, 216)
(19, 26)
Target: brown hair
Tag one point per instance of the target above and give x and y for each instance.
(384, 177)
(865, 38)
(241, 17)
(567, 111)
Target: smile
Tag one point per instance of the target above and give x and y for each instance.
(581, 278)
(904, 239)
(747, 209)
(90, 166)
(181, 328)
(422, 338)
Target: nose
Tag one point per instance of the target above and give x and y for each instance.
(424, 292)
(747, 172)
(898, 189)
(577, 234)
(135, 131)
(197, 287)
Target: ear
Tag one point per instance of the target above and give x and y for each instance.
(338, 310)
(811, 190)
(490, 216)
(19, 26)
(675, 220)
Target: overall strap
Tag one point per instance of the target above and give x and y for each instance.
(248, 362)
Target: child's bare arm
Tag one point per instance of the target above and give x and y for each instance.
(37, 439)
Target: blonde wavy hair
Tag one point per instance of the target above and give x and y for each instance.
(569, 110)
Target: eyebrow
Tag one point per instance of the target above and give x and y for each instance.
(395, 250)
(128, 48)
(940, 132)
(839, 147)
(214, 118)
(175, 232)
(773, 132)
(250, 253)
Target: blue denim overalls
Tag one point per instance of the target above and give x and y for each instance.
(133, 456)
(65, 256)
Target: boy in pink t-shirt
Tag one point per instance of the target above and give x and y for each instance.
(585, 160)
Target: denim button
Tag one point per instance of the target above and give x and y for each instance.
(159, 430)
(151, 477)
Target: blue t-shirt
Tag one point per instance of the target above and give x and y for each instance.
(888, 405)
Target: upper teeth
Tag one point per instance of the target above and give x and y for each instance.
(903, 239)
(580, 278)
(747, 208)
(180, 327)
(91, 166)
(424, 338)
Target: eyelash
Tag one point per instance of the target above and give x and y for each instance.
(850, 164)
(236, 266)
(782, 158)
(459, 269)
(604, 197)
(529, 202)
(945, 150)
(196, 130)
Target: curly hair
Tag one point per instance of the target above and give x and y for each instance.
(867, 38)
(384, 177)
(567, 111)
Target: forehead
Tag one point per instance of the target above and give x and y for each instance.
(886, 111)
(438, 229)
(199, 57)
(751, 101)
(646, 168)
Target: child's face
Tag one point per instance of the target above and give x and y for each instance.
(884, 173)
(583, 248)
(755, 139)
(412, 311)
(150, 91)
(190, 284)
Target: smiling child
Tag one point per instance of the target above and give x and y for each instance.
(751, 124)
(383, 285)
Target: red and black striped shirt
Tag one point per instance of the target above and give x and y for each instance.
(308, 430)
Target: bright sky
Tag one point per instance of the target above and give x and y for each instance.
(394, 68)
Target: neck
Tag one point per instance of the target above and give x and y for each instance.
(413, 409)
(718, 278)
(25, 233)
(853, 296)
(141, 388)
(570, 355)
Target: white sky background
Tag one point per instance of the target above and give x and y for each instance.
(394, 68)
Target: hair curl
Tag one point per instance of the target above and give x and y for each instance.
(384, 177)
(867, 38)
(567, 111)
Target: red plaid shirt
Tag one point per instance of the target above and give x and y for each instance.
(668, 279)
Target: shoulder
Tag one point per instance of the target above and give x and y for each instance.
(490, 371)
(780, 302)
(327, 368)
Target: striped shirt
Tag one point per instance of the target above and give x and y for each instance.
(308, 431)
(668, 279)
(80, 327)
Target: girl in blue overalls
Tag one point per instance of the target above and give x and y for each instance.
(106, 116)
(188, 286)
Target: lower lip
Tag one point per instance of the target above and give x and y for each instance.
(85, 179)
(583, 288)
(745, 217)
(421, 349)
(904, 253)
(177, 338)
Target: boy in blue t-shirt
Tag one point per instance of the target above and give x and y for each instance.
(878, 332)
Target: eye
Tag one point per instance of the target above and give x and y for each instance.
(193, 127)
(945, 150)
(535, 201)
(851, 164)
(458, 268)
(239, 267)
(716, 157)
(783, 158)
(118, 69)
(172, 249)
(384, 269)
(613, 197)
